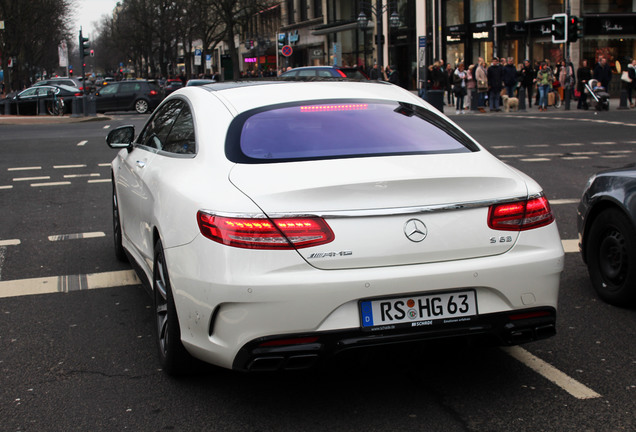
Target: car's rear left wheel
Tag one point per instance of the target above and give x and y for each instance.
(611, 252)
(141, 106)
(174, 358)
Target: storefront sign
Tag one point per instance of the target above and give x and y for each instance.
(516, 29)
(481, 30)
(610, 25)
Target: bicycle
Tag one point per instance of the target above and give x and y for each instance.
(55, 107)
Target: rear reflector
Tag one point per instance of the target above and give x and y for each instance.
(252, 233)
(521, 215)
(528, 315)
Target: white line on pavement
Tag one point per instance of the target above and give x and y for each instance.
(82, 143)
(551, 373)
(24, 168)
(31, 178)
(6, 187)
(535, 160)
(563, 201)
(81, 175)
(54, 284)
(99, 181)
(11, 242)
(77, 236)
(69, 166)
(107, 127)
(570, 246)
(50, 184)
(104, 164)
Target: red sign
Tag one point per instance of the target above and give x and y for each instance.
(286, 50)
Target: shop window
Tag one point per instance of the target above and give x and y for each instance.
(608, 6)
(512, 10)
(480, 10)
(454, 12)
(543, 8)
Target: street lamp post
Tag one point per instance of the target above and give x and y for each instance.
(378, 11)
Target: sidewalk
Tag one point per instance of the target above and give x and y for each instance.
(47, 119)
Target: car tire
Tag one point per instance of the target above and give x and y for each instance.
(611, 257)
(174, 358)
(141, 106)
(120, 253)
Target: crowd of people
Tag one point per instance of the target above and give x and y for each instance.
(491, 83)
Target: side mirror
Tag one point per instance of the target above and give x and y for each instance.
(121, 137)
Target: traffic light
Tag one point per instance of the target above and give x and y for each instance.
(575, 28)
(559, 28)
(83, 46)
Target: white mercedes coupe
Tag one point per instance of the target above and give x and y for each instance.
(277, 223)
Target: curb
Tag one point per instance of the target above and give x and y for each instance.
(36, 120)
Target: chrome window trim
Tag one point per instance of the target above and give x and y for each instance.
(396, 211)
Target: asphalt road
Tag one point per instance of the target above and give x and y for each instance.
(76, 351)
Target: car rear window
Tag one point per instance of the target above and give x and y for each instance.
(338, 130)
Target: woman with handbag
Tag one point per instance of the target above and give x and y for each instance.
(459, 87)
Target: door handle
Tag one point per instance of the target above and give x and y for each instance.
(141, 164)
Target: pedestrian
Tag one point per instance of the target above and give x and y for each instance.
(603, 73)
(459, 87)
(471, 86)
(568, 80)
(631, 84)
(495, 82)
(584, 74)
(481, 80)
(545, 78)
(391, 75)
(374, 73)
(449, 84)
(528, 75)
(509, 77)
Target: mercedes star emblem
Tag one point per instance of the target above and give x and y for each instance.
(415, 230)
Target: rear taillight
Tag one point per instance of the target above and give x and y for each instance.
(153, 93)
(520, 215)
(261, 233)
(342, 74)
(78, 94)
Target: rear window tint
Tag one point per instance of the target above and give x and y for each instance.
(338, 130)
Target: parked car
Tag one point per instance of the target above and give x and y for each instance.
(607, 234)
(140, 95)
(325, 72)
(199, 82)
(172, 85)
(27, 102)
(309, 218)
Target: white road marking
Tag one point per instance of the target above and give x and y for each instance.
(575, 157)
(55, 284)
(564, 201)
(549, 154)
(538, 145)
(571, 145)
(6, 187)
(570, 246)
(77, 236)
(104, 164)
(10, 242)
(99, 181)
(585, 153)
(621, 151)
(24, 168)
(31, 178)
(68, 166)
(81, 175)
(50, 184)
(502, 147)
(107, 127)
(535, 160)
(604, 143)
(512, 156)
(82, 143)
(551, 373)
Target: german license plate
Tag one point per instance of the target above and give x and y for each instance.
(419, 310)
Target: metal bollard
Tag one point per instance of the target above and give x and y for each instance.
(623, 103)
(522, 98)
(41, 107)
(76, 107)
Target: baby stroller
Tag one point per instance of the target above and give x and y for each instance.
(600, 95)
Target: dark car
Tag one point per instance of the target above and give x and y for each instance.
(27, 102)
(141, 96)
(325, 72)
(607, 234)
(172, 85)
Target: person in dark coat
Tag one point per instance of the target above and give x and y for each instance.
(495, 80)
(510, 77)
(603, 73)
(584, 74)
(528, 75)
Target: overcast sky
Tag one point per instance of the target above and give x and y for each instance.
(90, 12)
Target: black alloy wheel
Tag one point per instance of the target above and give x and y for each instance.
(611, 252)
(173, 356)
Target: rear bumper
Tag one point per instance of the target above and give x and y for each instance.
(302, 351)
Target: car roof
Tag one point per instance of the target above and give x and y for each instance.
(246, 95)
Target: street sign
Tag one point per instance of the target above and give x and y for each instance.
(286, 51)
